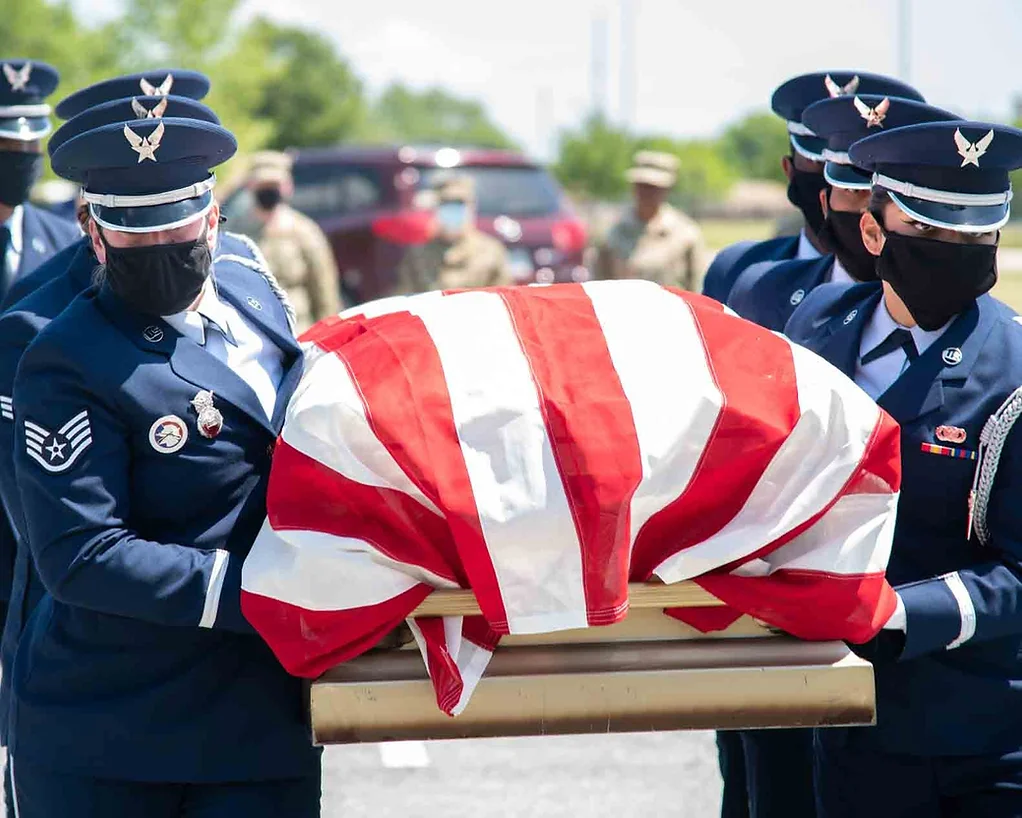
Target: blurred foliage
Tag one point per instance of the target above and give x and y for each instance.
(433, 116)
(592, 161)
(755, 144)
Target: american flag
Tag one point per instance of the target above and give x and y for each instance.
(544, 446)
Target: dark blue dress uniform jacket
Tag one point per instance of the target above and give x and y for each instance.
(130, 667)
(935, 700)
(42, 234)
(729, 263)
(767, 293)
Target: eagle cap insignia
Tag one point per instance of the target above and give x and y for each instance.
(160, 90)
(971, 152)
(145, 146)
(874, 116)
(141, 112)
(18, 78)
(835, 90)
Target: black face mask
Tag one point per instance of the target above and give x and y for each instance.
(804, 192)
(936, 279)
(268, 197)
(18, 172)
(161, 279)
(841, 233)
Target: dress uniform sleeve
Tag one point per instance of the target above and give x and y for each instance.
(77, 502)
(323, 284)
(983, 601)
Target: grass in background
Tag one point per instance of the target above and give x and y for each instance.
(719, 233)
(1009, 290)
(1011, 235)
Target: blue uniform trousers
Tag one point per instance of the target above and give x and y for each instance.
(43, 793)
(855, 780)
(734, 802)
(779, 773)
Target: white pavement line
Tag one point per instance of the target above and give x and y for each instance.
(403, 755)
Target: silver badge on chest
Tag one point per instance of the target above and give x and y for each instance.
(209, 420)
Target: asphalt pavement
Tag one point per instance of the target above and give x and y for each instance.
(673, 775)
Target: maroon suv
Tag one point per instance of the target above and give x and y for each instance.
(363, 200)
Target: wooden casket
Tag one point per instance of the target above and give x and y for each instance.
(649, 672)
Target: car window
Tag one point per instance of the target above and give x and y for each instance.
(323, 190)
(507, 191)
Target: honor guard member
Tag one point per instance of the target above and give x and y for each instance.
(460, 254)
(295, 247)
(768, 292)
(654, 240)
(944, 358)
(28, 235)
(803, 167)
(145, 416)
(151, 92)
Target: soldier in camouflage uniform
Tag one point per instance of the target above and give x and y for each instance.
(654, 240)
(459, 255)
(295, 248)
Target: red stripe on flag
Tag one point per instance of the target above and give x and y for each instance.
(753, 370)
(308, 643)
(305, 495)
(400, 377)
(591, 431)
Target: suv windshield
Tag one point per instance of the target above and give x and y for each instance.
(506, 191)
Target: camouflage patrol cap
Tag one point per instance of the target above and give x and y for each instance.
(654, 168)
(455, 187)
(270, 166)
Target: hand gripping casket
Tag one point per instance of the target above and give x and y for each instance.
(523, 465)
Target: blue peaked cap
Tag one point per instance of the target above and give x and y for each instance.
(24, 85)
(792, 98)
(127, 109)
(946, 174)
(146, 174)
(844, 120)
(158, 83)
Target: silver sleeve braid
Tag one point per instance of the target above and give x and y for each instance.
(991, 444)
(258, 263)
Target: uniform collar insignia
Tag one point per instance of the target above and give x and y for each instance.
(836, 90)
(972, 151)
(141, 112)
(145, 146)
(160, 90)
(874, 116)
(18, 79)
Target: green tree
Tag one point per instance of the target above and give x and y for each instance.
(593, 159)
(755, 144)
(433, 116)
(312, 96)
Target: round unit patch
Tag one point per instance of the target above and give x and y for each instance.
(168, 434)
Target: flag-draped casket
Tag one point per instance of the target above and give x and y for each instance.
(544, 446)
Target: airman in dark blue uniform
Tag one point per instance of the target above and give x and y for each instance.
(944, 358)
(803, 167)
(144, 417)
(769, 292)
(28, 235)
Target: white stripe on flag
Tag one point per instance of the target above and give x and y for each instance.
(526, 520)
(674, 407)
(323, 572)
(326, 421)
(808, 471)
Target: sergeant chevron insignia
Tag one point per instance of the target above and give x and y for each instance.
(57, 451)
(6, 407)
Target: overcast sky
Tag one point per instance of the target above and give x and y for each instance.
(697, 64)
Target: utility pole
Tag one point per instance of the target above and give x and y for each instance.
(626, 101)
(905, 39)
(598, 65)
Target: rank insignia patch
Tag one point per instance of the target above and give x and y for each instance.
(57, 451)
(950, 434)
(6, 408)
